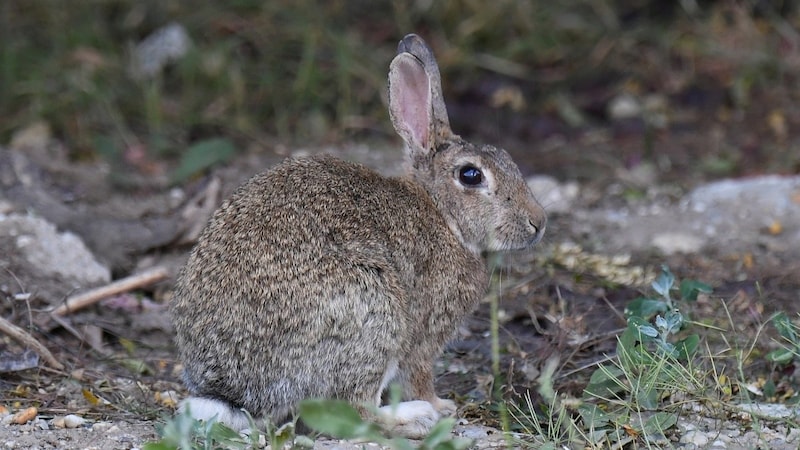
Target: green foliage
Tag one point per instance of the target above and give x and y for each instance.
(292, 69)
(201, 156)
(183, 432)
(339, 419)
(790, 344)
(651, 363)
(334, 418)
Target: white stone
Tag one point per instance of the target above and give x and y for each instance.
(73, 421)
(695, 437)
(554, 196)
(675, 242)
(53, 252)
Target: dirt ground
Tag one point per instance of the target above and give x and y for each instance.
(625, 176)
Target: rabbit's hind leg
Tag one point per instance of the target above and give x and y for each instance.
(416, 376)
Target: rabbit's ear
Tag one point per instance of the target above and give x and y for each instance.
(410, 101)
(416, 104)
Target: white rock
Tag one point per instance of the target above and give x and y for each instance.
(670, 243)
(51, 252)
(773, 411)
(73, 421)
(773, 196)
(697, 438)
(554, 196)
(624, 106)
(102, 426)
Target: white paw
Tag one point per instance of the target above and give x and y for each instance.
(412, 419)
(446, 408)
(207, 409)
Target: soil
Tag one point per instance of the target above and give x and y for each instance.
(630, 178)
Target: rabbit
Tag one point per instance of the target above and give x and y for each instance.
(321, 278)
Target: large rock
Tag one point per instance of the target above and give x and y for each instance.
(39, 259)
(736, 215)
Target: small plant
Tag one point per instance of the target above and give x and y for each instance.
(650, 365)
(339, 419)
(335, 418)
(183, 432)
(790, 345)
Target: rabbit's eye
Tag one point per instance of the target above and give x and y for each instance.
(470, 176)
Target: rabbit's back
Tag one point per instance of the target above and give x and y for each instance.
(312, 277)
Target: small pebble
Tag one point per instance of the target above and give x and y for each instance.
(73, 421)
(695, 437)
(102, 426)
(25, 416)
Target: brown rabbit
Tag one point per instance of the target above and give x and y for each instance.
(322, 278)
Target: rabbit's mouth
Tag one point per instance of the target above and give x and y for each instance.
(515, 238)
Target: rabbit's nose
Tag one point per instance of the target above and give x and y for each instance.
(537, 225)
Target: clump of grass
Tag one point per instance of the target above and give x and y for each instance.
(636, 396)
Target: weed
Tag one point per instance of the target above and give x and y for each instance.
(790, 345)
(628, 397)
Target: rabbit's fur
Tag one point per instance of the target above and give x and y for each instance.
(322, 278)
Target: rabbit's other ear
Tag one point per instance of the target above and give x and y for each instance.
(416, 105)
(416, 46)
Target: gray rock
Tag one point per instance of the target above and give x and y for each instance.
(50, 263)
(554, 196)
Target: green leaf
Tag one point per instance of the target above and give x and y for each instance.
(440, 432)
(648, 330)
(647, 398)
(593, 417)
(645, 308)
(663, 283)
(160, 445)
(278, 438)
(136, 366)
(686, 347)
(605, 383)
(334, 417)
(222, 432)
(785, 328)
(660, 422)
(691, 288)
(202, 155)
(780, 356)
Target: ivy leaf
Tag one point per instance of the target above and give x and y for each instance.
(690, 289)
(202, 155)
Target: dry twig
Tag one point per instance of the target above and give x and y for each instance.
(93, 296)
(21, 336)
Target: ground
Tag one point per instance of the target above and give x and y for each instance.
(632, 188)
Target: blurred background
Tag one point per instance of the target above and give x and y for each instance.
(700, 89)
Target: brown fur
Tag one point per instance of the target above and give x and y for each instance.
(316, 276)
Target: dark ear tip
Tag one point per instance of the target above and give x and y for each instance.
(409, 43)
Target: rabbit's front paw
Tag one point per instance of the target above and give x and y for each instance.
(413, 419)
(446, 408)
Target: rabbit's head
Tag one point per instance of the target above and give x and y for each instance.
(478, 189)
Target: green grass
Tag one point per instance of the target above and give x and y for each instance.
(665, 366)
(314, 72)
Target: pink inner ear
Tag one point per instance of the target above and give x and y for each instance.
(412, 93)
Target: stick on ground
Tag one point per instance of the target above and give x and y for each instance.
(93, 296)
(21, 336)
